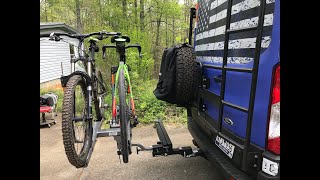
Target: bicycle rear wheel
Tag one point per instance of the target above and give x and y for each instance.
(76, 130)
(124, 120)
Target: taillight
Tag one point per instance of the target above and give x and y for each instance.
(274, 122)
(197, 8)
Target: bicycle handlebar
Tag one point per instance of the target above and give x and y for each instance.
(53, 35)
(135, 46)
(104, 47)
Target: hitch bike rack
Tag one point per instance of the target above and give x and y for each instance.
(164, 145)
(162, 148)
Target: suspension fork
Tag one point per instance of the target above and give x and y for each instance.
(89, 87)
(72, 62)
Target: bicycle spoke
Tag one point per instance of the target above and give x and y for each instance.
(79, 124)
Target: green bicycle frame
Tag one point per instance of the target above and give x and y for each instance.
(123, 66)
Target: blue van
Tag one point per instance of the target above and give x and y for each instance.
(235, 116)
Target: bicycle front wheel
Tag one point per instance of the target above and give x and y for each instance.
(76, 129)
(124, 119)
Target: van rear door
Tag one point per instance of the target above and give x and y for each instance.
(227, 108)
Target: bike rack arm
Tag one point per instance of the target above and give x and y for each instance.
(96, 128)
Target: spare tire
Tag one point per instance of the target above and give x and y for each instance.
(185, 75)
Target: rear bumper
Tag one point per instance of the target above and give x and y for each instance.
(215, 155)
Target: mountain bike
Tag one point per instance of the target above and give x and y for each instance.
(82, 88)
(123, 110)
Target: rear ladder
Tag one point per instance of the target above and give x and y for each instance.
(254, 71)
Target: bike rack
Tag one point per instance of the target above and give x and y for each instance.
(163, 147)
(98, 132)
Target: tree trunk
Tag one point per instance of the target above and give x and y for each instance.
(79, 25)
(157, 49)
(124, 14)
(141, 15)
(136, 15)
(136, 25)
(158, 32)
(124, 8)
(186, 12)
(167, 43)
(45, 10)
(172, 30)
(151, 32)
(101, 13)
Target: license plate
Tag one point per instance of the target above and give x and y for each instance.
(225, 146)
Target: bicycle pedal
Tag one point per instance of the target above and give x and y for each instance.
(135, 121)
(119, 152)
(138, 149)
(134, 124)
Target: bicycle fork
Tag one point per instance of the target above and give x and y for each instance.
(129, 91)
(114, 80)
(89, 89)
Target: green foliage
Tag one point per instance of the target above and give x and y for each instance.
(149, 108)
